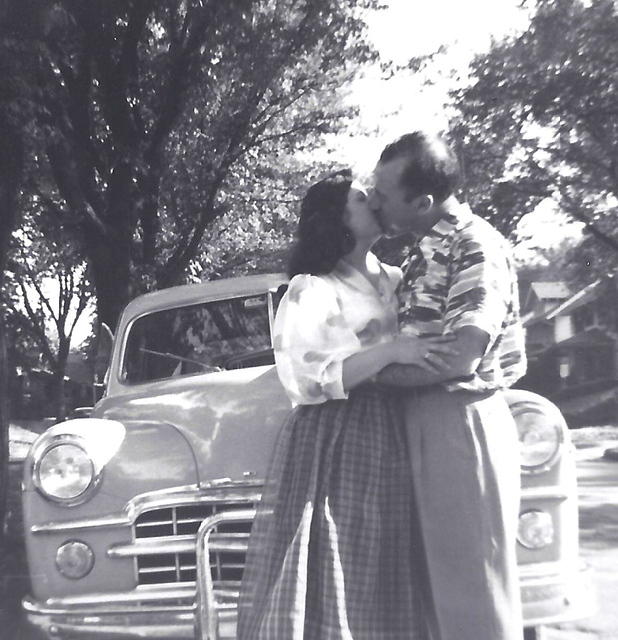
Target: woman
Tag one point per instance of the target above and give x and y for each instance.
(331, 553)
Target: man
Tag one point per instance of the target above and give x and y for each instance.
(462, 438)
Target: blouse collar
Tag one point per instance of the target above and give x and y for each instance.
(359, 280)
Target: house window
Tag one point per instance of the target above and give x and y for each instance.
(595, 363)
(605, 314)
(583, 318)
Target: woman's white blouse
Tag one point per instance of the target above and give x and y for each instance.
(322, 320)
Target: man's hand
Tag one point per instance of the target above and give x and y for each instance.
(427, 353)
(462, 359)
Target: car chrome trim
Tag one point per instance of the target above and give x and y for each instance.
(124, 601)
(544, 493)
(75, 525)
(240, 491)
(145, 614)
(207, 613)
(118, 602)
(155, 626)
(232, 542)
(556, 596)
(229, 491)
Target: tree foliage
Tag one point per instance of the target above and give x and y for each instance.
(539, 119)
(46, 294)
(152, 114)
(255, 232)
(23, 25)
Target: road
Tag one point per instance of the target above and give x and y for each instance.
(598, 508)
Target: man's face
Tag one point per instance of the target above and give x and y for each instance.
(395, 213)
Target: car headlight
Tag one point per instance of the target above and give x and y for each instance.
(64, 472)
(540, 437)
(535, 530)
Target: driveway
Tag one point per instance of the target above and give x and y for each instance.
(598, 530)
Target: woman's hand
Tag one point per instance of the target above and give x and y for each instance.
(428, 353)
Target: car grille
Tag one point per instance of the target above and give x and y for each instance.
(179, 524)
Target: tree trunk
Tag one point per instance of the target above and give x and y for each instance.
(11, 164)
(112, 280)
(60, 403)
(4, 427)
(59, 381)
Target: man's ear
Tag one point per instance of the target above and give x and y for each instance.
(422, 203)
(425, 202)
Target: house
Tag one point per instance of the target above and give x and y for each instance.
(33, 390)
(572, 347)
(541, 299)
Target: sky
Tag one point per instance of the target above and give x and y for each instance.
(409, 28)
(388, 108)
(412, 27)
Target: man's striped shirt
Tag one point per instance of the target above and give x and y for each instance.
(462, 274)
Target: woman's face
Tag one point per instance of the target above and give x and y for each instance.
(358, 217)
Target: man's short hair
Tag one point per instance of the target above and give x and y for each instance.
(431, 166)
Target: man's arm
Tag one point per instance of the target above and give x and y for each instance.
(470, 346)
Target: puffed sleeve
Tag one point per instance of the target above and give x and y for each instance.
(311, 341)
(481, 285)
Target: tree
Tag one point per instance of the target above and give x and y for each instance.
(23, 26)
(48, 293)
(257, 229)
(151, 112)
(538, 119)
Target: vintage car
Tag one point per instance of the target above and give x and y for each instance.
(125, 509)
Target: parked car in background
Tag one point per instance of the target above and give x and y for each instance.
(137, 517)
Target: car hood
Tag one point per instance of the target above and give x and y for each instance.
(230, 419)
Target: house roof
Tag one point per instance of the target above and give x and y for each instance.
(577, 300)
(545, 292)
(533, 317)
(550, 290)
(592, 337)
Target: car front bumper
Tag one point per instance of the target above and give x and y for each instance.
(549, 596)
(164, 613)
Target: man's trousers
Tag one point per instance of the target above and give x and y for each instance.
(465, 462)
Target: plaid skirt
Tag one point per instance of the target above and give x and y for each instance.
(333, 552)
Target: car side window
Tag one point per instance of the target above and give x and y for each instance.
(201, 338)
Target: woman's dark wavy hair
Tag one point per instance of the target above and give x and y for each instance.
(322, 237)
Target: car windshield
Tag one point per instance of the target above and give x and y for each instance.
(201, 338)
